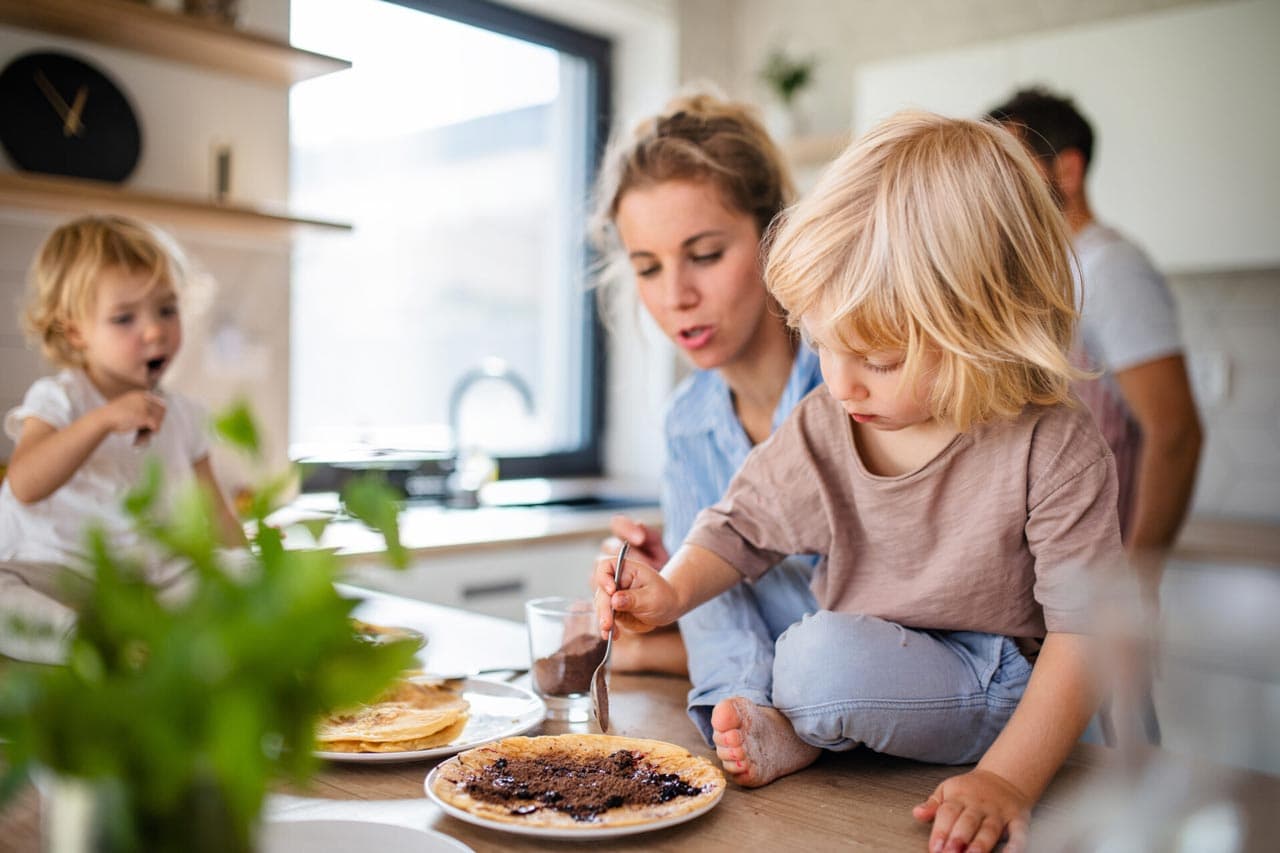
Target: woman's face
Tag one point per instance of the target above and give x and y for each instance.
(697, 266)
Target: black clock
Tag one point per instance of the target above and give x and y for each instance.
(62, 116)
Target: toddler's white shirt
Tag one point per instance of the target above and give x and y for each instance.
(53, 530)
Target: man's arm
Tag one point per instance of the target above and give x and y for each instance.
(1159, 395)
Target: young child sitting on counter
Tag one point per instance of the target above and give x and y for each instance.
(959, 500)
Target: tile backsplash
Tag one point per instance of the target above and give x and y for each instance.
(1231, 329)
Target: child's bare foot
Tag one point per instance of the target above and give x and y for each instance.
(756, 744)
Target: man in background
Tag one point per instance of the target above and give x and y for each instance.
(1128, 331)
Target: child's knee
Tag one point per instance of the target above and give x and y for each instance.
(818, 656)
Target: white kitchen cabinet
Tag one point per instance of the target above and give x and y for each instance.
(492, 580)
(1182, 103)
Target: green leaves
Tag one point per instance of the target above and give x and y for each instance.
(195, 697)
(237, 427)
(371, 500)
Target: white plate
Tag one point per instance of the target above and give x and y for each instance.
(586, 832)
(497, 710)
(343, 836)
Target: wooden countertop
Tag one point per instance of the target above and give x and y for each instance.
(1209, 539)
(855, 800)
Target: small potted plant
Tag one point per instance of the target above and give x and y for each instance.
(170, 718)
(786, 77)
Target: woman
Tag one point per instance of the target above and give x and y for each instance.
(684, 201)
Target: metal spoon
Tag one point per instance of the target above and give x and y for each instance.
(600, 690)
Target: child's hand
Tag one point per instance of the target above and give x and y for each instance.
(644, 600)
(133, 411)
(644, 541)
(972, 811)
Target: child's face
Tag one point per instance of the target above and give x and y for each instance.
(697, 268)
(130, 334)
(868, 383)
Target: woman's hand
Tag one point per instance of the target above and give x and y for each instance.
(645, 542)
(644, 599)
(971, 813)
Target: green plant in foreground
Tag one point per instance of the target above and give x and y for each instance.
(179, 714)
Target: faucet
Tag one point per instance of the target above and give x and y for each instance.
(465, 484)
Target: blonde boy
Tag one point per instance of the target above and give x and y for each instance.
(957, 498)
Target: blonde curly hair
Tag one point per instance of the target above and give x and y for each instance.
(68, 266)
(937, 237)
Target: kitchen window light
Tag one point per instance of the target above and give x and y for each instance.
(461, 144)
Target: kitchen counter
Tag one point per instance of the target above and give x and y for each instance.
(1205, 539)
(433, 531)
(849, 800)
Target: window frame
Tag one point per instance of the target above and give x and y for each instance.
(587, 460)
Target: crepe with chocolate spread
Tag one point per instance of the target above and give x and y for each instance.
(578, 781)
(410, 716)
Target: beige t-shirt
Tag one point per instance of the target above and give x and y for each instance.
(1000, 532)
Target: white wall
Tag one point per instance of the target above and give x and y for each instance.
(728, 40)
(1183, 105)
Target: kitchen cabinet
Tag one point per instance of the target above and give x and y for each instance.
(172, 37)
(493, 581)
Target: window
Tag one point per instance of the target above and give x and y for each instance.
(461, 144)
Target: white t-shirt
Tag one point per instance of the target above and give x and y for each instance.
(53, 529)
(1129, 316)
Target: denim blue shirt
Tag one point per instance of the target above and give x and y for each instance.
(706, 444)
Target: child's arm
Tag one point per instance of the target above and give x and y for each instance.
(971, 811)
(649, 599)
(229, 528)
(46, 457)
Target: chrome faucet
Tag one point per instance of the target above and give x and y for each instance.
(464, 490)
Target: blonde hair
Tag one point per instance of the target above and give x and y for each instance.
(937, 235)
(68, 266)
(696, 137)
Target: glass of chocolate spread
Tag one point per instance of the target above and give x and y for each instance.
(566, 648)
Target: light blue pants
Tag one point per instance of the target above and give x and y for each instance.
(730, 639)
(844, 679)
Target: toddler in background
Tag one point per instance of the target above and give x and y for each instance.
(104, 307)
(959, 500)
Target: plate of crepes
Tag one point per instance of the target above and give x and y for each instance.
(421, 717)
(576, 786)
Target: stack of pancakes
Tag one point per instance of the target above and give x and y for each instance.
(412, 715)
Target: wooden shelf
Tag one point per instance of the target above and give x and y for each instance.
(73, 195)
(168, 35)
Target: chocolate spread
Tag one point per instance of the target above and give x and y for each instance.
(568, 670)
(581, 788)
